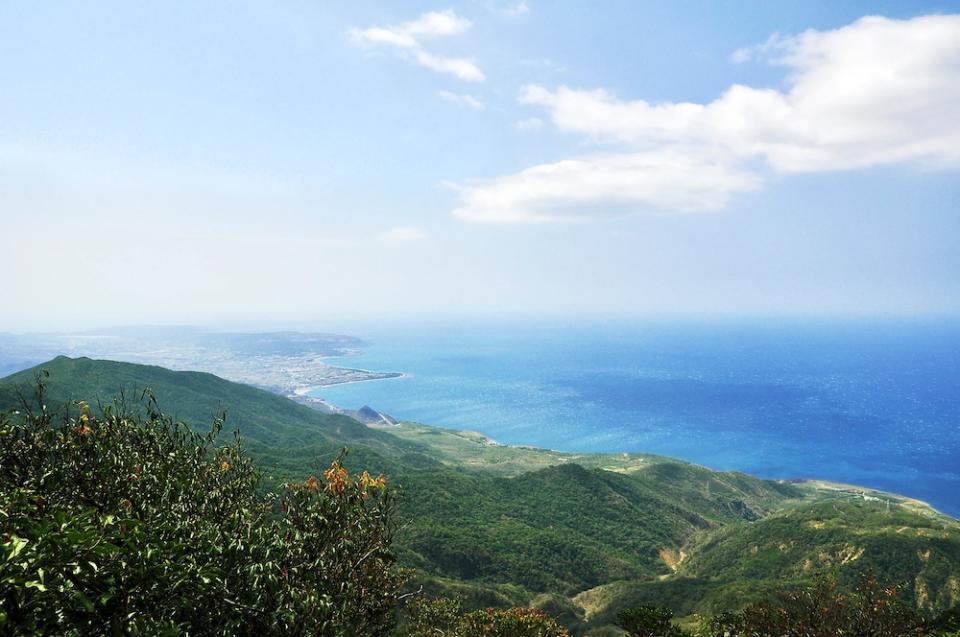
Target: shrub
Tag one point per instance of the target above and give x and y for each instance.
(443, 616)
(132, 523)
(872, 610)
(648, 621)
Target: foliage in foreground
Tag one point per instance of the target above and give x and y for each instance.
(446, 617)
(135, 525)
(871, 610)
(648, 621)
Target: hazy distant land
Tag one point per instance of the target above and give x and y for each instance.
(287, 363)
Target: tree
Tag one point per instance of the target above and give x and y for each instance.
(129, 522)
(445, 617)
(872, 610)
(648, 621)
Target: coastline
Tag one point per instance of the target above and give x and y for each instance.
(818, 485)
(856, 491)
(304, 391)
(804, 477)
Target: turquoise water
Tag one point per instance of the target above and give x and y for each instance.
(870, 403)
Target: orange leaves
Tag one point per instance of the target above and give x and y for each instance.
(336, 477)
(428, 616)
(83, 429)
(366, 482)
(339, 481)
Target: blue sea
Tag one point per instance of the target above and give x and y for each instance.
(874, 403)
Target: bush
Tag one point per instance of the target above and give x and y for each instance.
(132, 523)
(444, 616)
(872, 610)
(648, 621)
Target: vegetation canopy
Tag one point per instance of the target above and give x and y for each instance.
(446, 617)
(122, 523)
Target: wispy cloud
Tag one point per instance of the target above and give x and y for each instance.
(605, 186)
(462, 100)
(403, 234)
(875, 92)
(515, 9)
(757, 51)
(529, 125)
(406, 38)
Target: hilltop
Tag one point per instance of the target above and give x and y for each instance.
(281, 433)
(582, 535)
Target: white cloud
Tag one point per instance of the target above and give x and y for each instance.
(462, 68)
(403, 234)
(437, 23)
(605, 185)
(378, 35)
(875, 92)
(406, 37)
(430, 25)
(515, 10)
(462, 100)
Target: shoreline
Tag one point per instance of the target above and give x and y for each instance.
(305, 390)
(823, 485)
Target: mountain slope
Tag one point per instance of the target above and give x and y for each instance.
(565, 528)
(848, 537)
(269, 422)
(738, 564)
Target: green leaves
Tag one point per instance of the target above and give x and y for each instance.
(823, 611)
(13, 546)
(138, 524)
(444, 616)
(648, 621)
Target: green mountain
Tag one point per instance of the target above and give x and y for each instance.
(605, 525)
(740, 563)
(582, 535)
(288, 438)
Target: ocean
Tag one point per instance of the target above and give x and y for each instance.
(873, 403)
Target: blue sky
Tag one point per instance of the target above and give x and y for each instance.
(301, 162)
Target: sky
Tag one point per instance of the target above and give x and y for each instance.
(299, 162)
